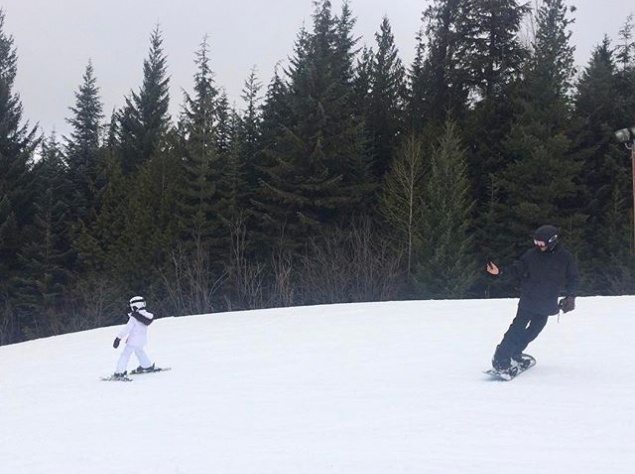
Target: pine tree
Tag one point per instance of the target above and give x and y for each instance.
(383, 118)
(490, 51)
(316, 173)
(17, 143)
(44, 276)
(493, 58)
(82, 148)
(144, 120)
(604, 99)
(415, 118)
(446, 267)
(202, 154)
(241, 173)
(276, 118)
(204, 149)
(250, 129)
(596, 109)
(439, 87)
(539, 184)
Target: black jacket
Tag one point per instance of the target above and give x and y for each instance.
(542, 277)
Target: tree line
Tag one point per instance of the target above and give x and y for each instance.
(350, 176)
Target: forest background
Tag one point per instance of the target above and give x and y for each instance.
(349, 176)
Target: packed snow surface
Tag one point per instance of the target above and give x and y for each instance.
(375, 388)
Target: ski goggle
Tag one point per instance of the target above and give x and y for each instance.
(542, 243)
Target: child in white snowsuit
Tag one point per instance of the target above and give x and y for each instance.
(136, 331)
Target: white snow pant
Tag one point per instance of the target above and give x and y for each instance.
(122, 364)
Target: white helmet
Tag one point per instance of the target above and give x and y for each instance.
(137, 303)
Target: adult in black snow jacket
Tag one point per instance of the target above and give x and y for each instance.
(543, 272)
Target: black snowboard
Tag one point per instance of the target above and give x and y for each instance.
(528, 363)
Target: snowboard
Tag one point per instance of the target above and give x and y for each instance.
(529, 362)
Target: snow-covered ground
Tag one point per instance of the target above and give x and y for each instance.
(357, 389)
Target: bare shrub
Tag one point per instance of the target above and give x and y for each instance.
(350, 265)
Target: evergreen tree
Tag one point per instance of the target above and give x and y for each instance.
(317, 174)
(417, 85)
(439, 87)
(446, 266)
(44, 275)
(604, 101)
(202, 163)
(538, 186)
(204, 151)
(493, 57)
(276, 118)
(490, 51)
(97, 245)
(241, 173)
(83, 146)
(144, 120)
(17, 143)
(596, 109)
(250, 129)
(383, 118)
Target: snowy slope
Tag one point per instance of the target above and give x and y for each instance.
(358, 389)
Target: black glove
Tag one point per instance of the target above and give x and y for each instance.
(116, 342)
(567, 304)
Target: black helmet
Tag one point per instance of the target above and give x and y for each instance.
(546, 235)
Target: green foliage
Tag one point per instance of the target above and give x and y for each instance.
(315, 172)
(539, 183)
(385, 102)
(17, 191)
(82, 148)
(40, 286)
(144, 120)
(446, 266)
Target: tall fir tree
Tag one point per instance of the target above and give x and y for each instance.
(250, 129)
(317, 173)
(493, 57)
(144, 120)
(490, 51)
(539, 184)
(241, 173)
(45, 276)
(446, 266)
(17, 144)
(605, 168)
(82, 148)
(605, 101)
(276, 118)
(204, 150)
(439, 88)
(383, 118)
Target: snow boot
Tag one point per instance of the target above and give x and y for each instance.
(143, 370)
(523, 360)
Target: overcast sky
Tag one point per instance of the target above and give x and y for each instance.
(56, 38)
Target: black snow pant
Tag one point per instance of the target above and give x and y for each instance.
(524, 328)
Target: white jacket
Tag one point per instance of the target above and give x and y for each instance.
(136, 331)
